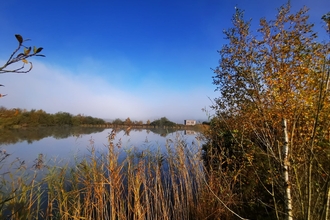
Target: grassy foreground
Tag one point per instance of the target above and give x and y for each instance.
(144, 185)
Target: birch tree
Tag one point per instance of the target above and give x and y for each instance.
(279, 72)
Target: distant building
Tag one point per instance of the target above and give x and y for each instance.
(189, 122)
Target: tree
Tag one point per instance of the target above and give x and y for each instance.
(117, 122)
(128, 121)
(63, 118)
(279, 74)
(20, 56)
(138, 122)
(163, 122)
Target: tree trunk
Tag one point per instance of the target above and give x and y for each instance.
(327, 206)
(287, 185)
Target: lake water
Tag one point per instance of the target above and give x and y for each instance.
(67, 143)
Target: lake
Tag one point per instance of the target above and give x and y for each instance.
(109, 173)
(65, 144)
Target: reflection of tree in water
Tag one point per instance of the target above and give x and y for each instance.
(12, 136)
(163, 132)
(159, 131)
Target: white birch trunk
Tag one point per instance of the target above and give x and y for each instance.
(287, 185)
(328, 206)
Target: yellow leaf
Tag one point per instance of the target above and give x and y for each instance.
(25, 61)
(27, 51)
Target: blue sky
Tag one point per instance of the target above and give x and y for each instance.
(117, 59)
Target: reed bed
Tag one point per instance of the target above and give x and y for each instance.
(145, 184)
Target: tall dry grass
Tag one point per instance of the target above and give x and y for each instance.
(145, 184)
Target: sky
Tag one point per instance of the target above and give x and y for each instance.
(116, 59)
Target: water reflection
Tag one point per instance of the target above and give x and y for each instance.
(71, 143)
(13, 136)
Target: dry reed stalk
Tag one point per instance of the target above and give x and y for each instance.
(114, 179)
(137, 188)
(152, 185)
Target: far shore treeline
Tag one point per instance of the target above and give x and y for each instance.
(17, 118)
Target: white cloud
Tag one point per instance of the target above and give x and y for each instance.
(54, 89)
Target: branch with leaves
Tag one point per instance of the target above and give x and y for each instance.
(27, 53)
(20, 56)
(326, 19)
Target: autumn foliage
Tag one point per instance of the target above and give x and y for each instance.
(280, 72)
